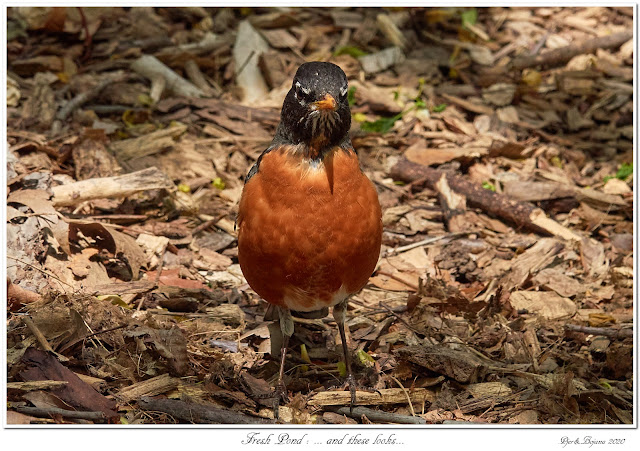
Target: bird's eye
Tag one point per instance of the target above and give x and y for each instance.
(343, 92)
(303, 94)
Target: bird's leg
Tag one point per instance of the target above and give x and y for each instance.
(286, 326)
(339, 313)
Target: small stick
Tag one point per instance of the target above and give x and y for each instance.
(88, 38)
(151, 67)
(39, 412)
(83, 98)
(404, 390)
(198, 413)
(560, 56)
(603, 331)
(38, 334)
(379, 415)
(425, 242)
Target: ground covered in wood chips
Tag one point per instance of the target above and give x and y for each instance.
(500, 142)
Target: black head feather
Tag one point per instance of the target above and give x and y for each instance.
(301, 119)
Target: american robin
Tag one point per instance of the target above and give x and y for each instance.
(309, 221)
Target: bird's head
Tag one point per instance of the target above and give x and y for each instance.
(316, 111)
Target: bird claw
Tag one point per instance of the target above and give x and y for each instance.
(280, 395)
(353, 386)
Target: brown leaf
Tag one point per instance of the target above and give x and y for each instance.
(77, 394)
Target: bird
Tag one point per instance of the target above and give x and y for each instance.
(309, 220)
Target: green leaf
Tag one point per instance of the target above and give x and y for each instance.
(342, 369)
(420, 103)
(365, 359)
(349, 50)
(440, 108)
(114, 299)
(382, 125)
(304, 354)
(625, 171)
(469, 16)
(605, 384)
(556, 161)
(184, 188)
(489, 186)
(351, 96)
(359, 117)
(218, 183)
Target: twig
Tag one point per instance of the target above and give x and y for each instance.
(379, 415)
(83, 98)
(151, 67)
(205, 225)
(246, 61)
(36, 385)
(92, 334)
(198, 413)
(88, 38)
(522, 214)
(40, 412)
(399, 318)
(560, 56)
(38, 334)
(404, 390)
(425, 242)
(603, 331)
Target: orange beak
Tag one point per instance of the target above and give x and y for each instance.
(328, 103)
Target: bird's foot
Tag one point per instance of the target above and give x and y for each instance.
(351, 384)
(279, 396)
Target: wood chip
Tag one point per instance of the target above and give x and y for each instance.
(386, 396)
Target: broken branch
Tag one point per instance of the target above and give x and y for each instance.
(520, 213)
(110, 187)
(560, 56)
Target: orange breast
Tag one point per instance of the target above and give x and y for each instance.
(308, 236)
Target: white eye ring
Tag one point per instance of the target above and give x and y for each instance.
(299, 86)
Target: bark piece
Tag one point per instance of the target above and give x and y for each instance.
(454, 207)
(456, 364)
(91, 157)
(247, 49)
(534, 259)
(543, 303)
(149, 144)
(379, 61)
(151, 387)
(385, 396)
(36, 385)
